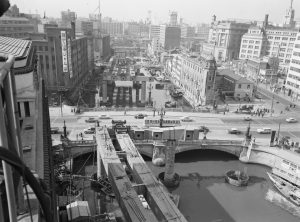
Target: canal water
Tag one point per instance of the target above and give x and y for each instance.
(205, 196)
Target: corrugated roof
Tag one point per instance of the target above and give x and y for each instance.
(16, 47)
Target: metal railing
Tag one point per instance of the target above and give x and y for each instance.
(10, 133)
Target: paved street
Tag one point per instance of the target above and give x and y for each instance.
(217, 123)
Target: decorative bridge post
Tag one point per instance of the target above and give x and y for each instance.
(169, 178)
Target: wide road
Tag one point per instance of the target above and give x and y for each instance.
(217, 123)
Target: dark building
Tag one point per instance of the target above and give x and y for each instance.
(172, 37)
(106, 50)
(62, 58)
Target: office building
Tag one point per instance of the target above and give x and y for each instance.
(111, 28)
(225, 39)
(293, 78)
(173, 19)
(15, 27)
(154, 31)
(67, 17)
(202, 32)
(170, 37)
(62, 58)
(194, 76)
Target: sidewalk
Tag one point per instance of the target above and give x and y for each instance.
(281, 94)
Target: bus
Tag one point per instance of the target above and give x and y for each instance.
(166, 122)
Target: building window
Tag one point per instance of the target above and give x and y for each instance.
(27, 109)
(240, 86)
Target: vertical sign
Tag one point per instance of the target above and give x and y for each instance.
(70, 58)
(64, 50)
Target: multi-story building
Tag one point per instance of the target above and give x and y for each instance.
(67, 17)
(225, 39)
(136, 29)
(254, 43)
(31, 111)
(169, 37)
(187, 31)
(202, 32)
(154, 31)
(293, 78)
(111, 28)
(62, 58)
(195, 76)
(173, 19)
(15, 27)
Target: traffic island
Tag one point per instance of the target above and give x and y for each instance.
(170, 182)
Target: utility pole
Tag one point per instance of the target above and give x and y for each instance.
(150, 88)
(272, 104)
(278, 133)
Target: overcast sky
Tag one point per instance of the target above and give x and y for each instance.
(192, 11)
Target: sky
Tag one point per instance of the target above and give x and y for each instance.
(192, 11)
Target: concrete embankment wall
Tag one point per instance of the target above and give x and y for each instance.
(265, 156)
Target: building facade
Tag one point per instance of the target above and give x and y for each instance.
(62, 58)
(194, 76)
(202, 32)
(15, 27)
(112, 28)
(169, 37)
(225, 39)
(67, 17)
(293, 78)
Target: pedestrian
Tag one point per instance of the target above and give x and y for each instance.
(124, 112)
(164, 112)
(253, 139)
(224, 113)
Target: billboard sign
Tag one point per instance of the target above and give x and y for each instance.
(64, 50)
(70, 58)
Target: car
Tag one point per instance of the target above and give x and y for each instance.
(264, 130)
(186, 119)
(203, 128)
(54, 130)
(140, 116)
(234, 131)
(247, 118)
(104, 116)
(291, 120)
(91, 120)
(90, 130)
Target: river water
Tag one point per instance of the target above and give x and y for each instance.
(205, 196)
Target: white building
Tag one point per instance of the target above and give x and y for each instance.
(293, 78)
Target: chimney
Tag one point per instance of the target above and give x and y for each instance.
(73, 29)
(266, 21)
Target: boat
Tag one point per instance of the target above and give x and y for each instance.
(287, 189)
(237, 178)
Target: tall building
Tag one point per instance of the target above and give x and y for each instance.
(62, 58)
(202, 31)
(169, 37)
(225, 39)
(173, 19)
(187, 31)
(293, 78)
(67, 17)
(253, 43)
(154, 31)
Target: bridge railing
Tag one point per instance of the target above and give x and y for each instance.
(196, 142)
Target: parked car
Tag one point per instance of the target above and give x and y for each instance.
(264, 130)
(140, 116)
(54, 130)
(291, 120)
(234, 131)
(247, 118)
(91, 120)
(90, 130)
(186, 119)
(203, 128)
(104, 116)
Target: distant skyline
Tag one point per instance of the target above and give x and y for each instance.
(192, 11)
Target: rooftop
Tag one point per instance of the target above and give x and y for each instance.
(230, 73)
(16, 47)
